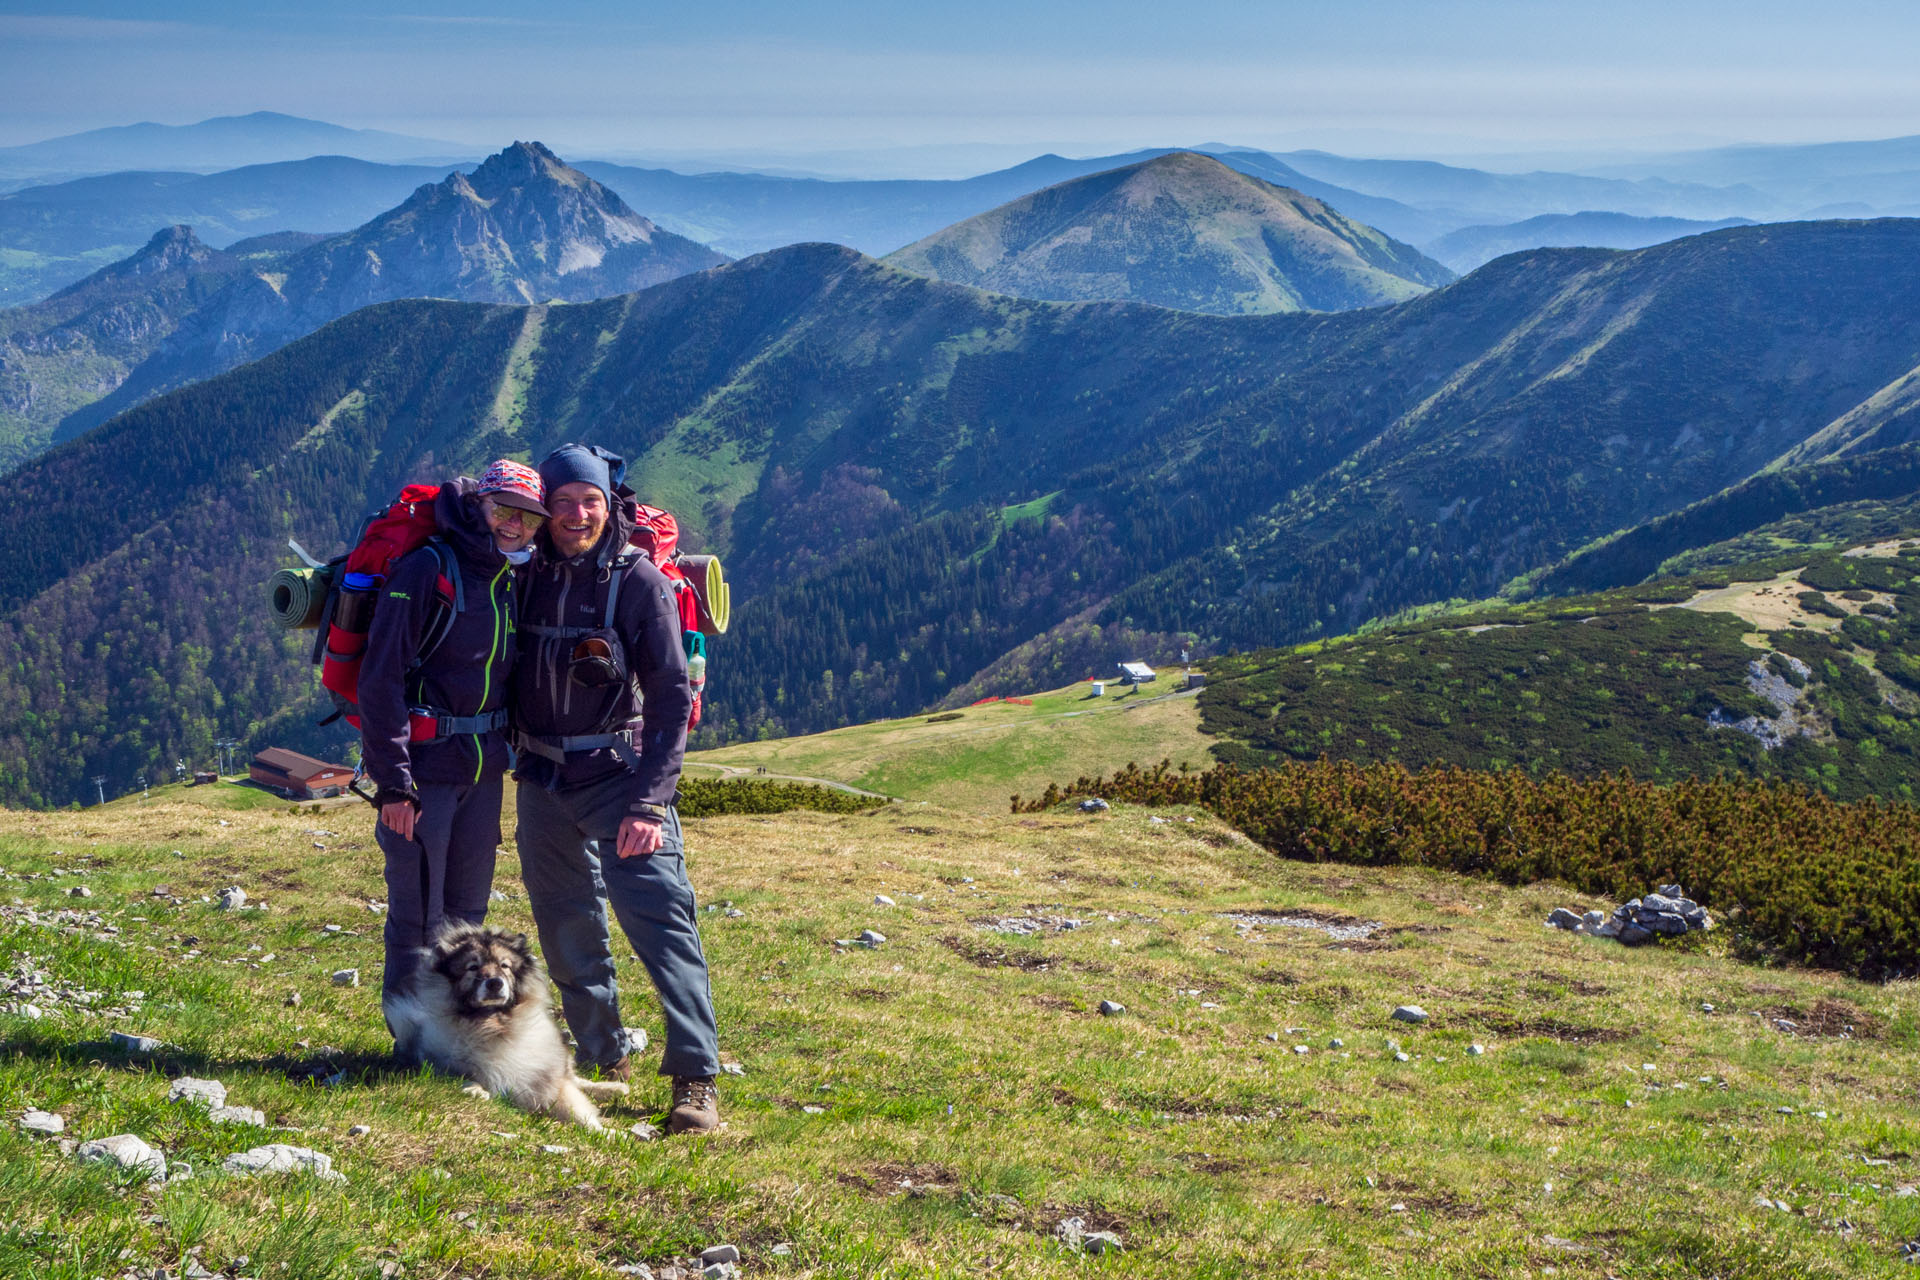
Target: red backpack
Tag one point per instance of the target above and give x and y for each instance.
(356, 578)
(701, 592)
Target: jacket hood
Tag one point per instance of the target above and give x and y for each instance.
(457, 510)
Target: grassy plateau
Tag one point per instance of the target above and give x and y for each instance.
(938, 1104)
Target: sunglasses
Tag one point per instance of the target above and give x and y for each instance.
(504, 514)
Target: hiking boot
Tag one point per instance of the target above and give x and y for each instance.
(696, 1105)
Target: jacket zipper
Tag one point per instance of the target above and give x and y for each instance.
(486, 685)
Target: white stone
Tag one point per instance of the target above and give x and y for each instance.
(232, 898)
(206, 1093)
(238, 1115)
(871, 938)
(644, 1131)
(359, 1131)
(719, 1253)
(1409, 1013)
(80, 891)
(278, 1157)
(1475, 1050)
(346, 977)
(733, 1068)
(131, 1043)
(42, 1122)
(127, 1151)
(1111, 1007)
(882, 900)
(554, 1150)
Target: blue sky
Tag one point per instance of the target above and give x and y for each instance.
(744, 76)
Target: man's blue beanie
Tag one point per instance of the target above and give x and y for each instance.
(571, 463)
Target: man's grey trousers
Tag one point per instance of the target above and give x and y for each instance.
(568, 862)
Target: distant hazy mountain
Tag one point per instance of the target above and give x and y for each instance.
(56, 234)
(1181, 230)
(1469, 247)
(745, 213)
(224, 142)
(1475, 197)
(523, 227)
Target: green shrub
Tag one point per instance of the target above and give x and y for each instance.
(1794, 874)
(710, 797)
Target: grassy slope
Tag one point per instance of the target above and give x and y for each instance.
(971, 1095)
(989, 753)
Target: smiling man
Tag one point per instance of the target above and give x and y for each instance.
(601, 643)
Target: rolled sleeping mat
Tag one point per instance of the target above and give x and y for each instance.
(295, 597)
(711, 591)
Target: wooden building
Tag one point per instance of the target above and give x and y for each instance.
(298, 777)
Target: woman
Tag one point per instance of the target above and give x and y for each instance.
(433, 696)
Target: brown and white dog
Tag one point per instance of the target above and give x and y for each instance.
(478, 1007)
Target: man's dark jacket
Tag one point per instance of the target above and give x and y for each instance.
(466, 675)
(546, 703)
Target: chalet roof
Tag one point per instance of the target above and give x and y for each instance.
(295, 765)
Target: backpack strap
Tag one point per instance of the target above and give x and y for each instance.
(453, 604)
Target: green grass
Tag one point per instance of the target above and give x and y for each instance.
(971, 1096)
(990, 752)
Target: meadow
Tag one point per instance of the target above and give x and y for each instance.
(940, 1104)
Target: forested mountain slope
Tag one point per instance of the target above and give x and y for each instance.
(1181, 230)
(918, 485)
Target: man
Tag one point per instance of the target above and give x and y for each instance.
(601, 644)
(433, 698)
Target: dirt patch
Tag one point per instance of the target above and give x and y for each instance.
(1502, 1022)
(1828, 1017)
(872, 994)
(1059, 1004)
(987, 957)
(1575, 985)
(891, 1179)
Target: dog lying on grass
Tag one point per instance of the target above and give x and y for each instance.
(478, 1008)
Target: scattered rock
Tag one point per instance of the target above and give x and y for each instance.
(870, 938)
(1301, 1049)
(43, 1122)
(1099, 1242)
(127, 1151)
(640, 1270)
(1109, 1008)
(644, 1131)
(733, 1068)
(1026, 926)
(1402, 1057)
(232, 898)
(1475, 1050)
(1095, 805)
(293, 1000)
(359, 1131)
(882, 900)
(718, 1253)
(346, 977)
(1410, 1013)
(206, 1093)
(79, 891)
(278, 1157)
(128, 1042)
(238, 1115)
(719, 1271)
(782, 1250)
(553, 1149)
(1336, 1043)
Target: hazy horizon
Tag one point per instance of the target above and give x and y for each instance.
(850, 82)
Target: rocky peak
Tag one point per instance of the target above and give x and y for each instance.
(171, 247)
(521, 164)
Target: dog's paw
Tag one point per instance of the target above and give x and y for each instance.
(475, 1091)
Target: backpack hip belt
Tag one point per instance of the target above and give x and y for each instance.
(557, 749)
(430, 724)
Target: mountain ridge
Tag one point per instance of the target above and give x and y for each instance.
(912, 480)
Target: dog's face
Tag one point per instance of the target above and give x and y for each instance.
(487, 969)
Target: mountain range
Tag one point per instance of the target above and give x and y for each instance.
(1179, 230)
(56, 234)
(927, 492)
(1471, 247)
(522, 227)
(224, 142)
